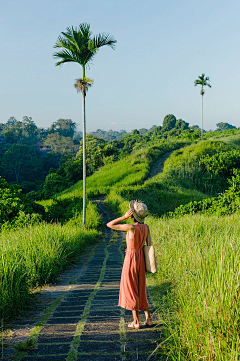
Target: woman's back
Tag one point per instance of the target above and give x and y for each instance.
(139, 238)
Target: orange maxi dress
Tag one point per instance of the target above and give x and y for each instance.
(132, 295)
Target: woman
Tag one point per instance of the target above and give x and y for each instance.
(132, 295)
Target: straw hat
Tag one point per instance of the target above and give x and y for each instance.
(140, 210)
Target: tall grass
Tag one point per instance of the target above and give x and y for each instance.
(34, 256)
(199, 270)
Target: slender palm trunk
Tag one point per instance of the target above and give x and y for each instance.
(84, 153)
(202, 118)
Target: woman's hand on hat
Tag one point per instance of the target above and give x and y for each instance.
(129, 213)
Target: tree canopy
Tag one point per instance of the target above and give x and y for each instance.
(225, 126)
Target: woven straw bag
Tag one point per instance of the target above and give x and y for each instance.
(149, 255)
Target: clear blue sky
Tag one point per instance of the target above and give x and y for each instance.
(162, 47)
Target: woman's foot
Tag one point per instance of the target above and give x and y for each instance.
(148, 323)
(133, 325)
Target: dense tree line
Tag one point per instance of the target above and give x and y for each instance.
(27, 152)
(108, 135)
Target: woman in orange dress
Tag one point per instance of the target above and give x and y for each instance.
(132, 295)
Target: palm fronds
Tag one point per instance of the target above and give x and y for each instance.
(202, 80)
(79, 46)
(102, 40)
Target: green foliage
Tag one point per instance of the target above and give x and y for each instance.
(98, 152)
(16, 210)
(109, 135)
(187, 166)
(64, 127)
(54, 184)
(10, 201)
(169, 122)
(23, 220)
(23, 132)
(221, 163)
(16, 161)
(62, 209)
(226, 203)
(224, 126)
(93, 220)
(74, 170)
(159, 193)
(190, 134)
(59, 144)
(25, 166)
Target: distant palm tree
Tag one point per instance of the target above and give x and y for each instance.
(203, 82)
(79, 46)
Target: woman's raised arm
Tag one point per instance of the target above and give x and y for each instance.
(114, 224)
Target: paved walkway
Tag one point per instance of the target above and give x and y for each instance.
(78, 318)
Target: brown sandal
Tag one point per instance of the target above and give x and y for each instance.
(146, 324)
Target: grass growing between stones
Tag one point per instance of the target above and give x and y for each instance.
(72, 356)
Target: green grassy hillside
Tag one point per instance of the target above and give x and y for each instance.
(196, 287)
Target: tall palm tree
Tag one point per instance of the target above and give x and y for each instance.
(79, 46)
(203, 81)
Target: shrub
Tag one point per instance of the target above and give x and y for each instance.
(17, 209)
(187, 167)
(54, 184)
(62, 209)
(226, 203)
(10, 201)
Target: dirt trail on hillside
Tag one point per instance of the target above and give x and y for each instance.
(159, 164)
(77, 318)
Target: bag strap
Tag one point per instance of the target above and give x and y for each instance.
(148, 235)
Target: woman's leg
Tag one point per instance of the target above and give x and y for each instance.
(136, 318)
(148, 317)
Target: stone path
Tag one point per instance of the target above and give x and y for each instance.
(78, 318)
